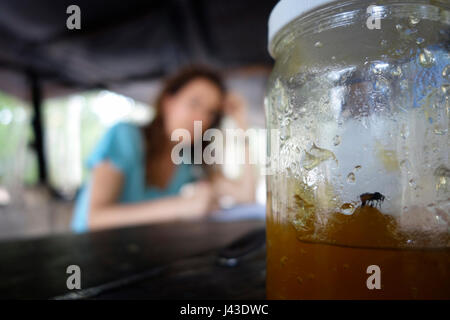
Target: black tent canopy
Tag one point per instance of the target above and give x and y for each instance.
(120, 42)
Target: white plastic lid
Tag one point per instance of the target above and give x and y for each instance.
(287, 10)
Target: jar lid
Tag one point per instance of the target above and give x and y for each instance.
(287, 10)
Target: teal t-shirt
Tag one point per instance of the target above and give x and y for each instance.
(122, 145)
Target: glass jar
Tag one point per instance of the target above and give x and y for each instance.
(358, 200)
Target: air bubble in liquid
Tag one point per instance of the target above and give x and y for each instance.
(347, 208)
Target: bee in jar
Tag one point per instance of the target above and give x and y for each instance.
(371, 199)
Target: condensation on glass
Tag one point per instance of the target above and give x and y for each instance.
(361, 160)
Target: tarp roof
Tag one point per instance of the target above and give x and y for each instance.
(124, 41)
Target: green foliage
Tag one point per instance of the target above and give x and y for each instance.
(15, 135)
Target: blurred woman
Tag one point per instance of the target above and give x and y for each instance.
(134, 179)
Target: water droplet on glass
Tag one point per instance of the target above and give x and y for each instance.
(316, 156)
(336, 140)
(426, 58)
(383, 42)
(285, 122)
(442, 182)
(397, 71)
(377, 68)
(444, 89)
(420, 40)
(404, 132)
(440, 131)
(404, 84)
(358, 167)
(413, 20)
(404, 164)
(293, 166)
(411, 31)
(351, 177)
(399, 52)
(412, 183)
(442, 171)
(446, 72)
(318, 44)
(382, 84)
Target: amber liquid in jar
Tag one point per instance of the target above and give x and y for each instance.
(299, 267)
(347, 99)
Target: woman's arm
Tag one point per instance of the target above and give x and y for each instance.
(105, 212)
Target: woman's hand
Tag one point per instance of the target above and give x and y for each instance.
(199, 199)
(195, 202)
(235, 107)
(230, 192)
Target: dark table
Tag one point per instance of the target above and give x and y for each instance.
(165, 261)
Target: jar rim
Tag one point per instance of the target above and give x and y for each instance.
(309, 19)
(285, 11)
